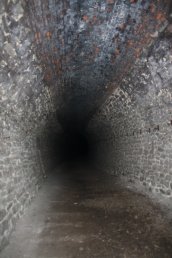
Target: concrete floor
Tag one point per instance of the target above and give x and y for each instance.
(84, 215)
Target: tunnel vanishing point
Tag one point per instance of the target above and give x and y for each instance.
(86, 82)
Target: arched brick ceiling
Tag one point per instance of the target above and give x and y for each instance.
(87, 46)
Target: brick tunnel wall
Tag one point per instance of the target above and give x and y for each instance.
(26, 112)
(59, 61)
(135, 123)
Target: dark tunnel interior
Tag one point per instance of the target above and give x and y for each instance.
(85, 128)
(74, 147)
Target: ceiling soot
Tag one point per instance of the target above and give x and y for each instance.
(87, 46)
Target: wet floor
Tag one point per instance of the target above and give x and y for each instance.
(81, 214)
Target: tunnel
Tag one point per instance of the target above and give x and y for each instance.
(85, 128)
